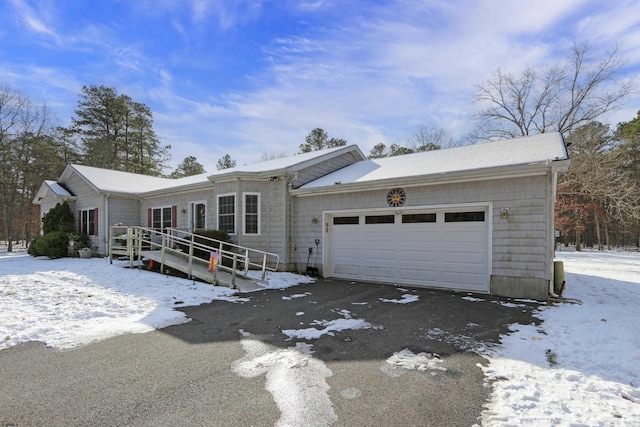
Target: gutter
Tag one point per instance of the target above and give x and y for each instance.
(436, 179)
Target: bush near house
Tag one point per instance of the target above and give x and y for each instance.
(59, 239)
(59, 218)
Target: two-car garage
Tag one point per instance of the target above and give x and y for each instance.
(445, 247)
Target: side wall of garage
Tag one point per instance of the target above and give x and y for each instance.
(518, 225)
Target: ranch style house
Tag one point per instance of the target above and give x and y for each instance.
(477, 218)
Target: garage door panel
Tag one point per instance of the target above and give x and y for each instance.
(435, 254)
(462, 238)
(422, 276)
(346, 253)
(348, 271)
(417, 255)
(418, 265)
(464, 247)
(465, 256)
(471, 281)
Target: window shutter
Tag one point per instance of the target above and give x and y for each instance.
(174, 216)
(96, 225)
(149, 218)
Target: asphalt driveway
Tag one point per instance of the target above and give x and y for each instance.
(191, 374)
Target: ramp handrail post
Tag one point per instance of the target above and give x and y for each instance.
(130, 246)
(264, 265)
(190, 255)
(162, 251)
(138, 244)
(233, 271)
(110, 245)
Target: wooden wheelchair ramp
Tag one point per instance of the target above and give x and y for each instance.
(183, 251)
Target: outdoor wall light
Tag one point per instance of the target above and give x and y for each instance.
(315, 220)
(504, 213)
(184, 210)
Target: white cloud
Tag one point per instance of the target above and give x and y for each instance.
(34, 20)
(366, 74)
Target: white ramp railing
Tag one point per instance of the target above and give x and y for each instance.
(191, 248)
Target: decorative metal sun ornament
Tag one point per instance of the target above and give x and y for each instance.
(396, 197)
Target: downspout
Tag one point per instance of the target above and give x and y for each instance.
(107, 232)
(290, 245)
(552, 180)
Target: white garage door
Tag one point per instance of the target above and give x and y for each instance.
(445, 248)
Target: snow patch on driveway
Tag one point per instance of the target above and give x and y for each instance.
(294, 378)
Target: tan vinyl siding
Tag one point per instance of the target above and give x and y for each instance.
(181, 201)
(124, 211)
(272, 237)
(88, 198)
(518, 243)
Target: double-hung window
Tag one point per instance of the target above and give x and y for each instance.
(251, 213)
(227, 213)
(161, 218)
(88, 222)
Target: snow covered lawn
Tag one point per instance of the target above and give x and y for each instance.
(581, 366)
(71, 301)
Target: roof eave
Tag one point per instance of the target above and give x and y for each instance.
(438, 179)
(288, 170)
(178, 189)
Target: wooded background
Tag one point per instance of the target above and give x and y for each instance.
(598, 201)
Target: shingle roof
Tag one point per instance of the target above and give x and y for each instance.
(512, 152)
(120, 182)
(110, 181)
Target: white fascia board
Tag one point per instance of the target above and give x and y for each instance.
(188, 188)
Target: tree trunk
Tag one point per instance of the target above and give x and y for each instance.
(598, 235)
(578, 231)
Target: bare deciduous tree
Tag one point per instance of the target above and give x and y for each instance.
(426, 138)
(557, 99)
(593, 193)
(27, 153)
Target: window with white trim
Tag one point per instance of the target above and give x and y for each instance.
(227, 213)
(251, 224)
(88, 222)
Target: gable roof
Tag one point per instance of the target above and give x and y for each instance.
(287, 164)
(479, 159)
(126, 183)
(110, 181)
(52, 187)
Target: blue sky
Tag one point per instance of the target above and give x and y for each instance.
(250, 77)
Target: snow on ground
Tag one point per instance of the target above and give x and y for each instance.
(579, 367)
(71, 301)
(329, 327)
(295, 379)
